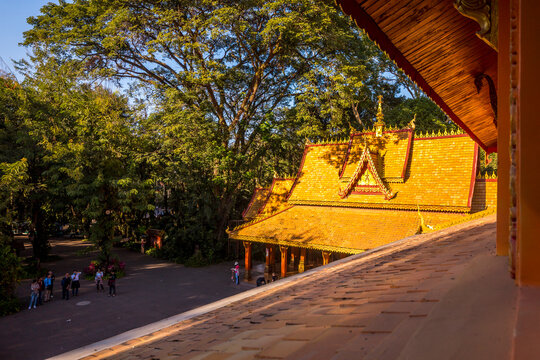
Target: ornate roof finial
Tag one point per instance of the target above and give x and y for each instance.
(380, 115)
(412, 123)
(379, 125)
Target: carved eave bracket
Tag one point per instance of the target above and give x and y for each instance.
(485, 13)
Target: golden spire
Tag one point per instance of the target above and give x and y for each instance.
(380, 115)
(379, 125)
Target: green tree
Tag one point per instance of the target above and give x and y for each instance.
(238, 64)
(22, 116)
(232, 88)
(13, 177)
(92, 172)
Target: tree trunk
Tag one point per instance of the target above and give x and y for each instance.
(40, 244)
(224, 212)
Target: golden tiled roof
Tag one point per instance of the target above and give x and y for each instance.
(276, 197)
(440, 173)
(340, 229)
(485, 193)
(256, 203)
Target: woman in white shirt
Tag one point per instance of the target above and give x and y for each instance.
(99, 280)
(75, 284)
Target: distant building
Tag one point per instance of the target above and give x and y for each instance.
(363, 192)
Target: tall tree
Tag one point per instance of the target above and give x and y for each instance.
(236, 63)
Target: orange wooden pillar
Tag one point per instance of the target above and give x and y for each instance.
(326, 257)
(527, 93)
(292, 259)
(272, 259)
(247, 260)
(503, 130)
(269, 264)
(302, 260)
(283, 250)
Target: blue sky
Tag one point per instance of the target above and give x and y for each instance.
(13, 14)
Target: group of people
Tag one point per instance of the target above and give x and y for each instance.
(262, 281)
(41, 290)
(235, 276)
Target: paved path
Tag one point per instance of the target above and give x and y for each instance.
(151, 290)
(443, 295)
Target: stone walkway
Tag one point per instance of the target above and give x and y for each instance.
(151, 291)
(440, 296)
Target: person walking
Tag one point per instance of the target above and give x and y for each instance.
(34, 293)
(41, 291)
(75, 283)
(52, 282)
(99, 280)
(236, 273)
(47, 282)
(66, 282)
(112, 283)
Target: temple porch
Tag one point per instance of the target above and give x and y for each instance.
(284, 261)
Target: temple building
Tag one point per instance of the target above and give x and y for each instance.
(356, 194)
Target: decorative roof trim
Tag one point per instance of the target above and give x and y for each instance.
(252, 200)
(476, 215)
(364, 21)
(267, 196)
(486, 176)
(298, 244)
(274, 180)
(366, 157)
(473, 175)
(327, 143)
(299, 170)
(409, 143)
(383, 206)
(366, 193)
(372, 132)
(486, 180)
(346, 157)
(440, 137)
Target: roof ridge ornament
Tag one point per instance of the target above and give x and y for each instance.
(412, 124)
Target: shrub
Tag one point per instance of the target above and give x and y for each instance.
(12, 272)
(10, 305)
(114, 264)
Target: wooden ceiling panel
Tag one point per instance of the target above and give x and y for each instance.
(437, 47)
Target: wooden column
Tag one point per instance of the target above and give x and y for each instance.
(503, 130)
(267, 270)
(247, 260)
(283, 250)
(272, 259)
(301, 260)
(292, 259)
(326, 257)
(528, 145)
